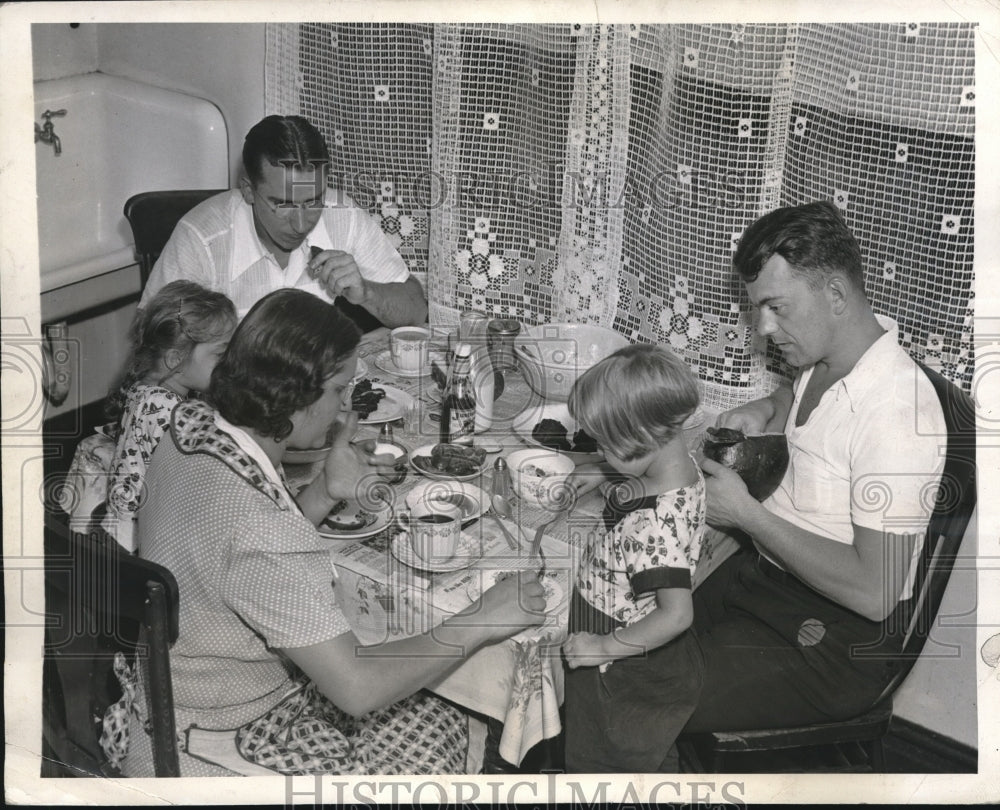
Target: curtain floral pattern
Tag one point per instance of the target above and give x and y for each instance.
(604, 173)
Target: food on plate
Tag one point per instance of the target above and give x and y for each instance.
(760, 460)
(583, 442)
(366, 398)
(452, 459)
(342, 518)
(553, 434)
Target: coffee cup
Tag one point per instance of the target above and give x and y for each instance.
(409, 348)
(434, 529)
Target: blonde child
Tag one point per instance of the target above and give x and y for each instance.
(176, 341)
(633, 668)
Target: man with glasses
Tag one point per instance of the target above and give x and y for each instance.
(284, 227)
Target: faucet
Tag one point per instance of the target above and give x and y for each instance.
(46, 134)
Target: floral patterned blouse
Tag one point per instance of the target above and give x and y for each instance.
(145, 418)
(649, 543)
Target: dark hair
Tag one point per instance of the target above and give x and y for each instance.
(283, 140)
(812, 238)
(635, 400)
(180, 316)
(278, 359)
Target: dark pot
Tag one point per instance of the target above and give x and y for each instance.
(760, 460)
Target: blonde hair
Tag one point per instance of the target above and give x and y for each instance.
(635, 400)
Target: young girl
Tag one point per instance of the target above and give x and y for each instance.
(176, 341)
(634, 670)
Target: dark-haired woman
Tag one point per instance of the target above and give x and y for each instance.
(267, 674)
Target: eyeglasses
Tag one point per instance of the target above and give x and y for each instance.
(287, 208)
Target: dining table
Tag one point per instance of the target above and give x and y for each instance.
(387, 595)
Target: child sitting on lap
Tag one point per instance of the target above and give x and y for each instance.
(176, 341)
(634, 669)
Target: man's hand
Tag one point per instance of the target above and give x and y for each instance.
(339, 274)
(751, 418)
(726, 496)
(766, 415)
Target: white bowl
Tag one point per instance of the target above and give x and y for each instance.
(539, 477)
(553, 355)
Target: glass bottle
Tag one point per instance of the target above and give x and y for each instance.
(458, 408)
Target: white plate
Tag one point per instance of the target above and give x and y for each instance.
(524, 423)
(469, 551)
(390, 407)
(384, 361)
(469, 497)
(379, 521)
(430, 472)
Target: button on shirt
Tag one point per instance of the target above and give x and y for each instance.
(216, 245)
(870, 453)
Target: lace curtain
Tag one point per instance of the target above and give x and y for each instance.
(603, 173)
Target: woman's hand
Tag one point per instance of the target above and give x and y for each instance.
(512, 604)
(726, 495)
(344, 466)
(585, 650)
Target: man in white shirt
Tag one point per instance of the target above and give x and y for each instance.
(283, 227)
(798, 626)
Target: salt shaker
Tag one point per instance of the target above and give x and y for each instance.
(502, 486)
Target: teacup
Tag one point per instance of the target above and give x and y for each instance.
(397, 451)
(409, 347)
(434, 528)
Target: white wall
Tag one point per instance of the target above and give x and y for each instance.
(221, 62)
(59, 50)
(940, 691)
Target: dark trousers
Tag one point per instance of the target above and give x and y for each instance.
(777, 654)
(625, 720)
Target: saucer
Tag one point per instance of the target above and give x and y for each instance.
(385, 362)
(469, 551)
(374, 522)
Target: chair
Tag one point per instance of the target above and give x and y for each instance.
(956, 501)
(100, 600)
(152, 216)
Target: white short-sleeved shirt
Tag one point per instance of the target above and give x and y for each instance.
(871, 453)
(216, 245)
